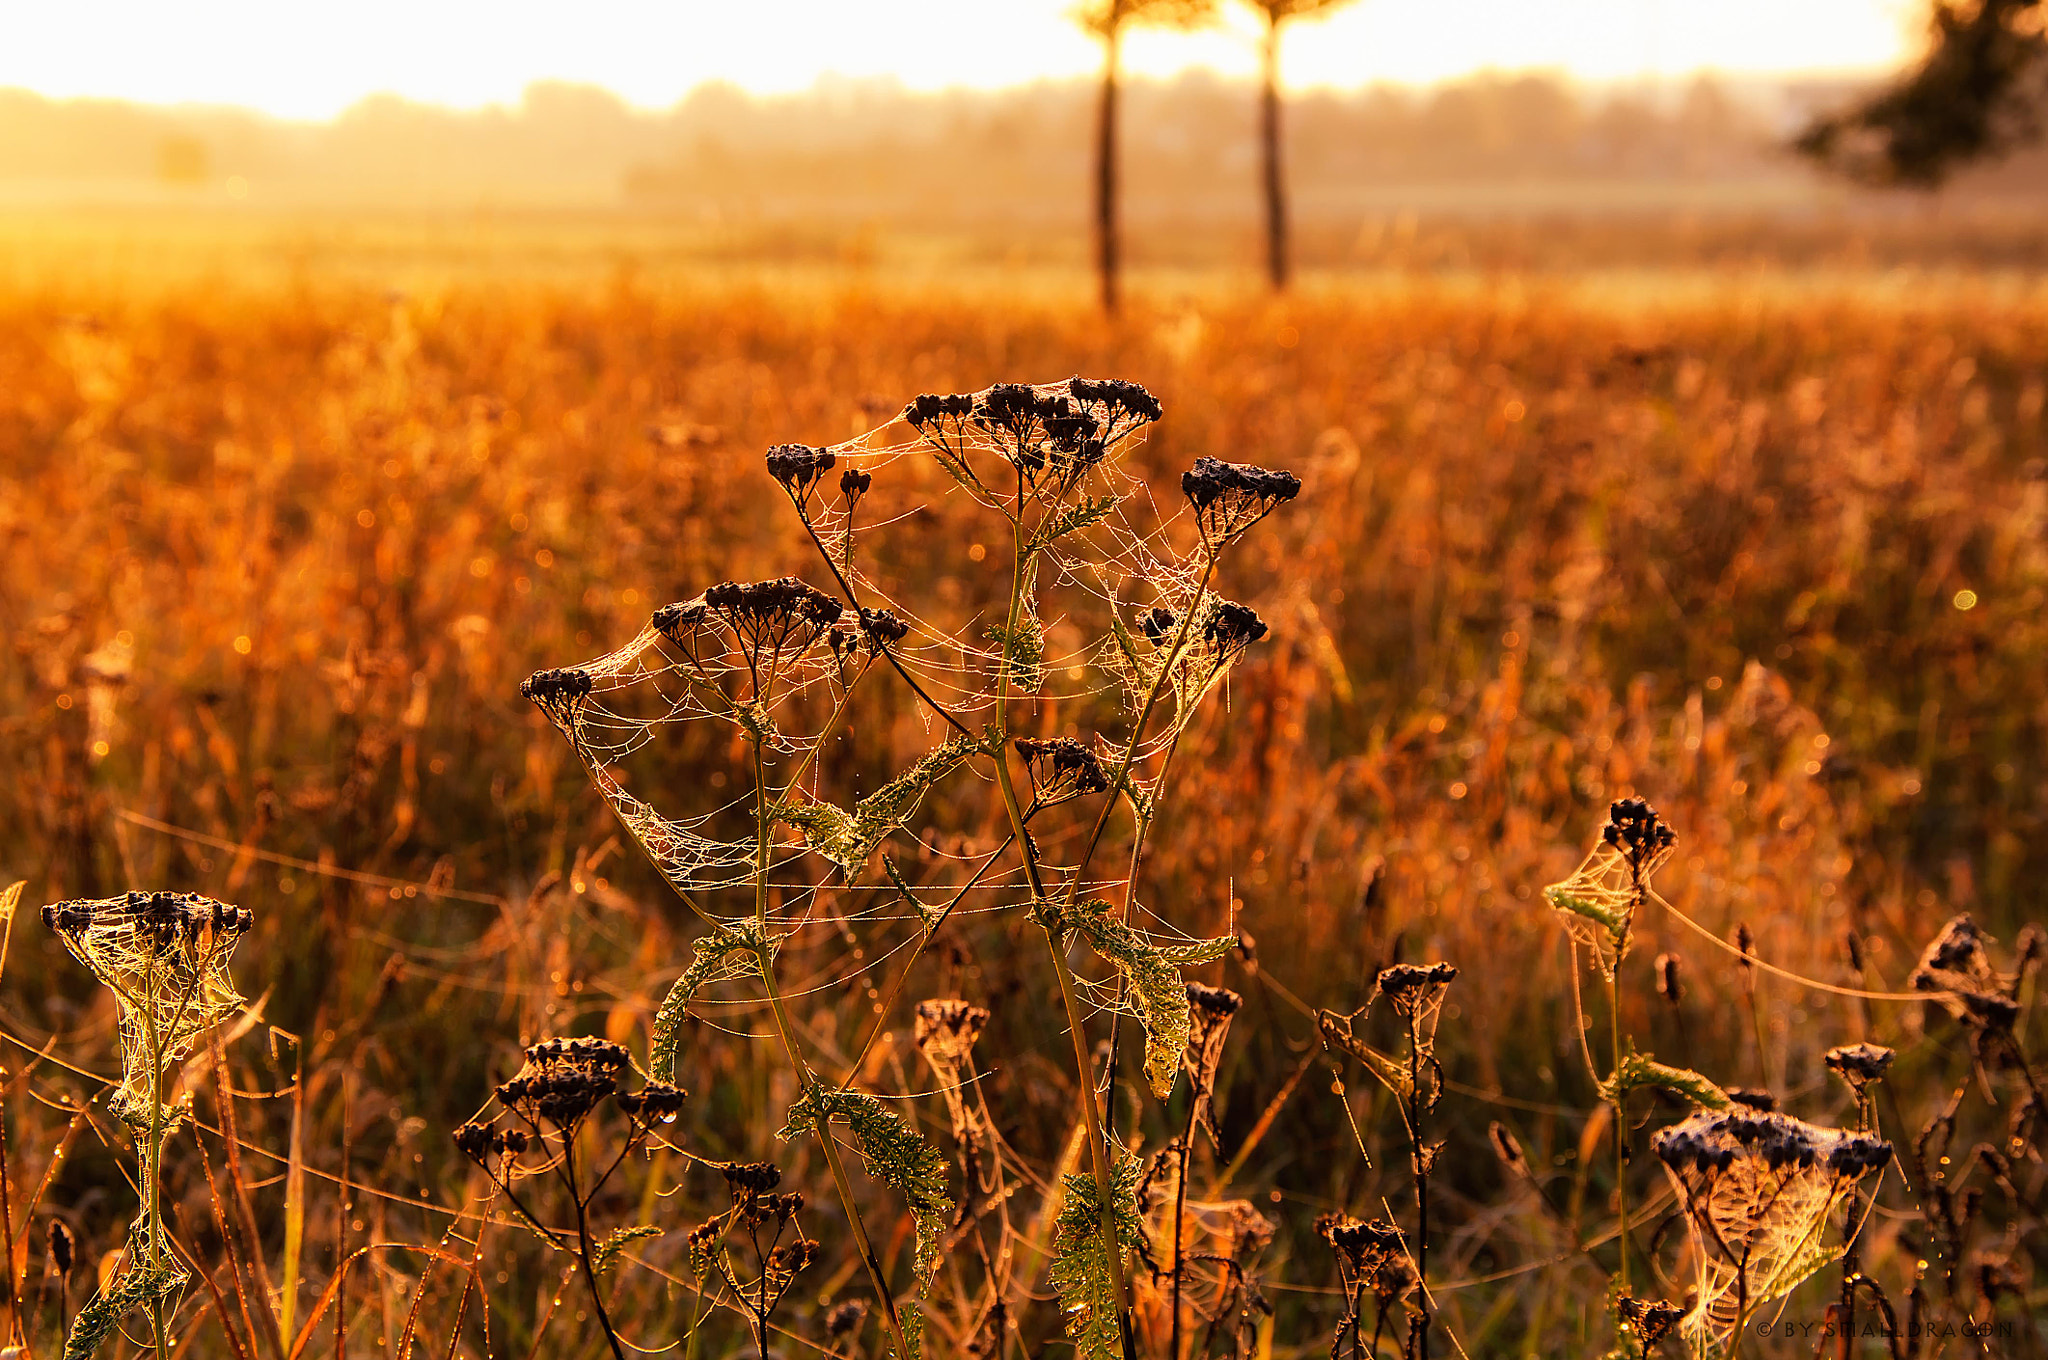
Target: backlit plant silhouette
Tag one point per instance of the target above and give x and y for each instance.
(1130, 578)
(165, 957)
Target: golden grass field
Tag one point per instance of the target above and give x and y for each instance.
(279, 551)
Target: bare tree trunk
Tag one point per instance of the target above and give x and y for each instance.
(1108, 242)
(1269, 145)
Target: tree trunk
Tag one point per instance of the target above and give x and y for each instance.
(1108, 242)
(1269, 145)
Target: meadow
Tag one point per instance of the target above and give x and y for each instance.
(280, 554)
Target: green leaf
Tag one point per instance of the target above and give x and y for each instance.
(1090, 510)
(1025, 651)
(848, 838)
(1572, 904)
(1080, 1271)
(1638, 1071)
(896, 1154)
(737, 953)
(910, 1313)
(1156, 983)
(615, 1241)
(133, 1288)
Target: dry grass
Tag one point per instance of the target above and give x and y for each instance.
(276, 560)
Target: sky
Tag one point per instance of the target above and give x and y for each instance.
(313, 58)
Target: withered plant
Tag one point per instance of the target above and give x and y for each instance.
(165, 958)
(1130, 582)
(539, 1129)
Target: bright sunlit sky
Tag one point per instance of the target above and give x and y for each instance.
(312, 58)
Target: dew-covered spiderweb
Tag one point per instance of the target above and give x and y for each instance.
(1758, 1190)
(1598, 903)
(165, 957)
(1118, 614)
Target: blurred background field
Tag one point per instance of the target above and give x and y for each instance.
(1769, 553)
(1638, 458)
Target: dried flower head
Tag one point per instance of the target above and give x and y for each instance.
(948, 1029)
(1668, 984)
(564, 1080)
(799, 468)
(1650, 1319)
(1372, 1253)
(748, 1181)
(1210, 1010)
(558, 689)
(1860, 1064)
(1061, 768)
(844, 1318)
(882, 628)
(1051, 436)
(1751, 1098)
(1230, 628)
(1414, 988)
(165, 957)
(1758, 1189)
(1230, 498)
(773, 618)
(1634, 828)
(63, 1247)
(658, 1102)
(1957, 965)
(1507, 1148)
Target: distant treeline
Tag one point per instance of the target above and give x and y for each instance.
(873, 152)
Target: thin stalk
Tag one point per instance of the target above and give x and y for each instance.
(805, 1077)
(1130, 755)
(903, 977)
(1055, 943)
(1421, 1191)
(604, 1317)
(1180, 1202)
(153, 1164)
(1620, 1103)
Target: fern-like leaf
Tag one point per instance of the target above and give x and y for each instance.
(1640, 1070)
(896, 1154)
(737, 953)
(1025, 650)
(1080, 1271)
(849, 838)
(1156, 983)
(133, 1288)
(1090, 510)
(607, 1253)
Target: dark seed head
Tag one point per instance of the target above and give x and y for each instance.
(1668, 985)
(63, 1248)
(798, 467)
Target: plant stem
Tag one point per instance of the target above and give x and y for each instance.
(1416, 1156)
(604, 1318)
(805, 1077)
(1620, 1104)
(1180, 1201)
(1055, 943)
(152, 1173)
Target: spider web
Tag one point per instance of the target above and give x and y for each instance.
(1759, 1190)
(165, 957)
(1114, 604)
(1598, 903)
